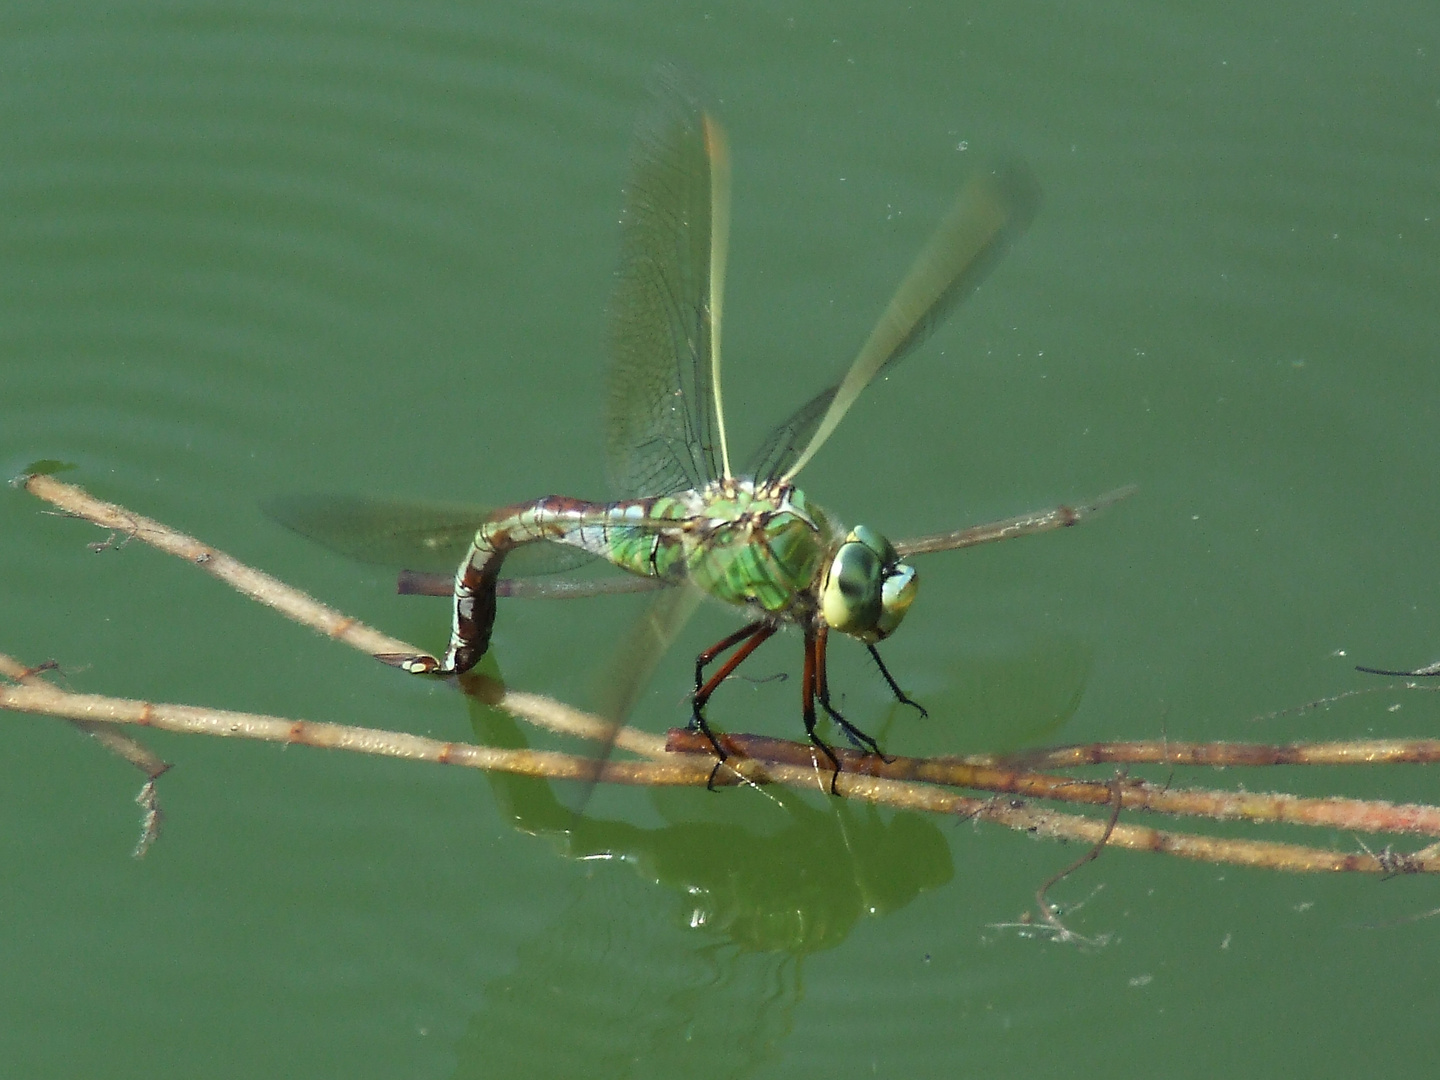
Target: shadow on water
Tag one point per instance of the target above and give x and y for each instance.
(1011, 698)
(757, 886)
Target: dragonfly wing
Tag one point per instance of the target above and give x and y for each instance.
(422, 536)
(664, 425)
(991, 211)
(783, 445)
(629, 670)
(437, 583)
(1058, 517)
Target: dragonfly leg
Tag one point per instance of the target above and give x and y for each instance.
(857, 738)
(753, 635)
(814, 676)
(900, 695)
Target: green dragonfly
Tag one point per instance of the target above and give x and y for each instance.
(687, 517)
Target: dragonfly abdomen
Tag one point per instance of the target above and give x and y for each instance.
(631, 534)
(756, 545)
(637, 535)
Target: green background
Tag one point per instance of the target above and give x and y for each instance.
(366, 247)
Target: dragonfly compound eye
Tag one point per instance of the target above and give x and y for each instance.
(897, 593)
(851, 596)
(883, 549)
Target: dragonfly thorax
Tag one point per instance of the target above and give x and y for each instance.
(763, 544)
(759, 544)
(866, 590)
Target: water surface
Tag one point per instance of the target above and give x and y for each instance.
(367, 248)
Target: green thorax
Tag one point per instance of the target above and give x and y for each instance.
(760, 544)
(742, 541)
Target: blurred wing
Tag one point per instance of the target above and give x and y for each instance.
(438, 583)
(401, 533)
(1058, 517)
(628, 671)
(991, 211)
(664, 425)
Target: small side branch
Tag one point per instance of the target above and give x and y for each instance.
(118, 743)
(1048, 911)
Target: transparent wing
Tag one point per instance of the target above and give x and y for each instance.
(664, 427)
(402, 533)
(629, 670)
(1058, 517)
(438, 583)
(990, 212)
(783, 445)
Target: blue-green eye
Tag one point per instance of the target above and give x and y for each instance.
(850, 596)
(896, 595)
(882, 548)
(866, 590)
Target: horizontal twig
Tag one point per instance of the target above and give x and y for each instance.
(1226, 754)
(694, 770)
(789, 762)
(94, 709)
(1357, 815)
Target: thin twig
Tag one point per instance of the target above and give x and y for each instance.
(1224, 754)
(668, 768)
(118, 743)
(300, 607)
(187, 719)
(694, 770)
(289, 601)
(1425, 672)
(1356, 815)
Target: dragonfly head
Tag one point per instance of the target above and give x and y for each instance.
(867, 589)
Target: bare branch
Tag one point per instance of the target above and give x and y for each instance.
(1354, 815)
(904, 783)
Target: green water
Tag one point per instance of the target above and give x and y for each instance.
(367, 248)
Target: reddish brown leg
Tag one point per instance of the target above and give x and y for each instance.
(857, 738)
(753, 635)
(813, 684)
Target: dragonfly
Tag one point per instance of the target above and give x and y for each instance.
(687, 519)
